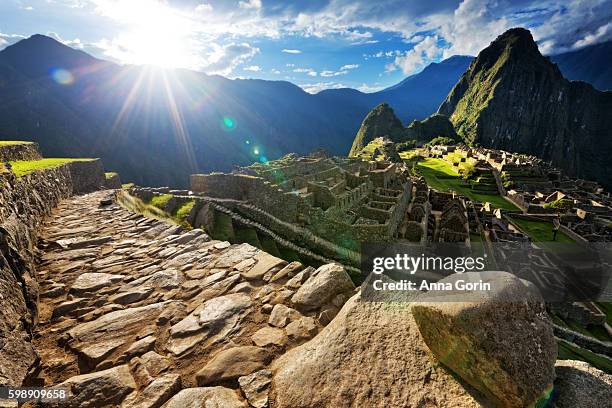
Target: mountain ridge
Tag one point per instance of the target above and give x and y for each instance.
(513, 98)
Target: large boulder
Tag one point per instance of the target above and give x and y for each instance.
(370, 355)
(325, 283)
(580, 385)
(499, 341)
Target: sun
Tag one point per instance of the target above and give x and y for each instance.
(153, 34)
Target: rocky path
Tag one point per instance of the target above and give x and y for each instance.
(137, 312)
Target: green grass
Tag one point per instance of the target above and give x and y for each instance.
(160, 201)
(598, 332)
(540, 231)
(269, 245)
(248, 235)
(110, 174)
(127, 185)
(568, 351)
(223, 230)
(606, 307)
(136, 205)
(440, 175)
(184, 209)
(22, 167)
(13, 142)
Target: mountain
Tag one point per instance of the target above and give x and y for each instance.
(590, 64)
(382, 121)
(511, 97)
(158, 126)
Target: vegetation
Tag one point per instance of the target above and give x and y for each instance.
(23, 167)
(110, 174)
(13, 142)
(182, 212)
(569, 351)
(160, 201)
(441, 176)
(404, 146)
(440, 140)
(540, 231)
(135, 204)
(563, 204)
(127, 185)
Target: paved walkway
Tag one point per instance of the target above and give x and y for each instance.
(145, 308)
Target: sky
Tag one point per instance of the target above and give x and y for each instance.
(316, 44)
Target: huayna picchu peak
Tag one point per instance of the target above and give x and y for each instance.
(511, 97)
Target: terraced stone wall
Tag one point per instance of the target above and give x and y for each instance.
(19, 151)
(24, 203)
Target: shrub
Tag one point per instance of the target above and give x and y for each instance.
(440, 140)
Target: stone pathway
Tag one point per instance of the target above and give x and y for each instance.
(137, 312)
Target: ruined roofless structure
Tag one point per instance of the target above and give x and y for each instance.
(332, 197)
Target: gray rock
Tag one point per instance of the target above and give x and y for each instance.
(281, 315)
(580, 385)
(155, 394)
(256, 387)
(268, 336)
(233, 363)
(327, 282)
(93, 281)
(302, 329)
(206, 397)
(265, 262)
(101, 388)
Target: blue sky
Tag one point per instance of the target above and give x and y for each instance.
(315, 44)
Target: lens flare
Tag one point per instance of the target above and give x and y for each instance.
(228, 123)
(263, 159)
(256, 151)
(62, 76)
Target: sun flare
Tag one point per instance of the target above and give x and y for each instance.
(154, 35)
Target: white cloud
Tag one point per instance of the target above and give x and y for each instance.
(308, 71)
(252, 68)
(416, 58)
(250, 4)
(75, 43)
(290, 51)
(204, 8)
(349, 66)
(275, 71)
(9, 39)
(370, 88)
(333, 73)
(290, 65)
(320, 86)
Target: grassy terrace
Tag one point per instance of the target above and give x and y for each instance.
(21, 168)
(13, 142)
(440, 175)
(540, 231)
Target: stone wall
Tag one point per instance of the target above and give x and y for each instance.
(87, 176)
(23, 204)
(283, 205)
(19, 151)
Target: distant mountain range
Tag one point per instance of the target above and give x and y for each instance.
(156, 127)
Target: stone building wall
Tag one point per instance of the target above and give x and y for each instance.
(23, 151)
(248, 188)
